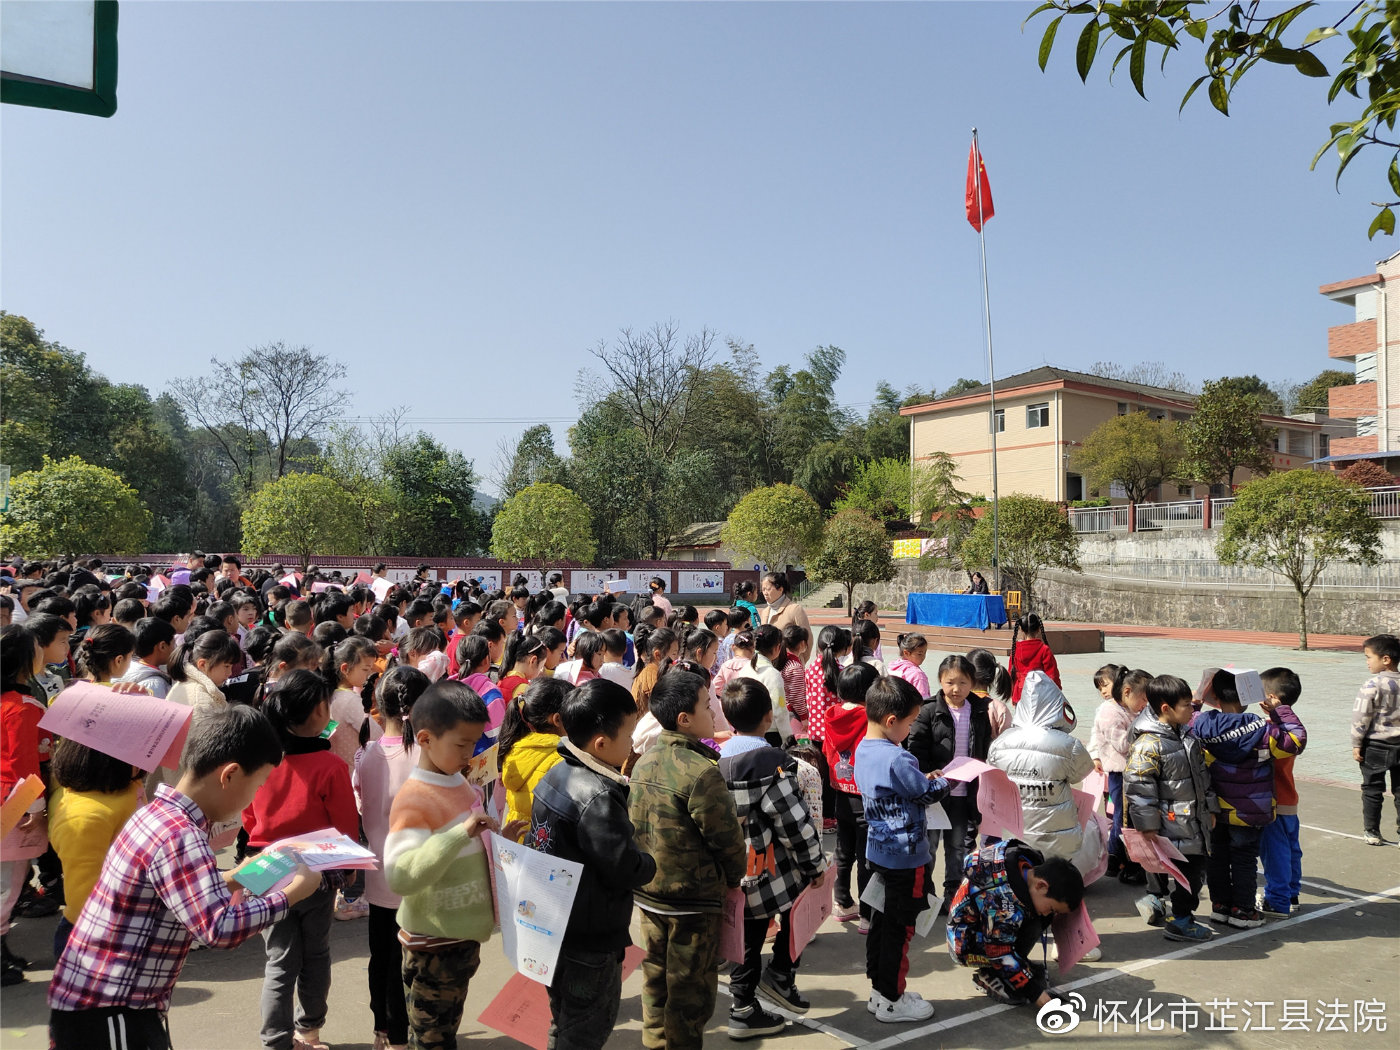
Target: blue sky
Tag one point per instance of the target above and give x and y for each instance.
(457, 199)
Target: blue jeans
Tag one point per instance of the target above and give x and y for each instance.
(1283, 861)
(1115, 796)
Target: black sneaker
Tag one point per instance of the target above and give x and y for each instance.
(9, 959)
(995, 986)
(38, 906)
(1245, 919)
(751, 1021)
(782, 989)
(11, 975)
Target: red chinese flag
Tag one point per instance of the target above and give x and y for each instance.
(978, 212)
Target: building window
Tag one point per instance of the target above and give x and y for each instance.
(1038, 415)
(998, 424)
(1184, 490)
(1122, 408)
(1324, 443)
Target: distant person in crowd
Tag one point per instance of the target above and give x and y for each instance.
(782, 611)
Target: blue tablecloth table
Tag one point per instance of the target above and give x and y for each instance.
(956, 610)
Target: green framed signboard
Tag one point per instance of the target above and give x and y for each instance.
(59, 55)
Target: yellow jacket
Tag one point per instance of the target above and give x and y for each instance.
(82, 825)
(529, 760)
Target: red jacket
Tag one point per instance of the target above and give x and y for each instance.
(309, 791)
(1032, 655)
(845, 729)
(19, 739)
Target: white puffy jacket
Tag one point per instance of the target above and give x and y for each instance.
(1043, 761)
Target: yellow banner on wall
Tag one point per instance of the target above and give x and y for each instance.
(907, 548)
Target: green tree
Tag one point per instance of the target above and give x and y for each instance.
(263, 407)
(545, 523)
(532, 458)
(1035, 535)
(961, 386)
(776, 526)
(1135, 450)
(72, 507)
(303, 515)
(1226, 434)
(1295, 524)
(943, 510)
(854, 549)
(879, 488)
(1236, 36)
(1312, 395)
(1270, 401)
(430, 492)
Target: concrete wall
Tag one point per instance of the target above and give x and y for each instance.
(1078, 599)
(1098, 599)
(1184, 544)
(1065, 596)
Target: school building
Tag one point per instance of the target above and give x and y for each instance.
(1044, 414)
(1365, 342)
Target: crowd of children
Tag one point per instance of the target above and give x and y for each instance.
(677, 760)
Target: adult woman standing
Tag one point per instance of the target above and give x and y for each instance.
(782, 611)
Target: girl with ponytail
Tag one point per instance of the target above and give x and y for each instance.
(346, 668)
(524, 660)
(384, 767)
(200, 667)
(763, 665)
(745, 592)
(529, 742)
(833, 643)
(309, 791)
(992, 682)
(104, 653)
(1030, 654)
(661, 649)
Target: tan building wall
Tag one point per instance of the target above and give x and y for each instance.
(1036, 459)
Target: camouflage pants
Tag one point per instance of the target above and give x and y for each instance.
(680, 979)
(435, 988)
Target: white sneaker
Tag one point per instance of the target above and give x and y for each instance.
(1092, 955)
(906, 1008)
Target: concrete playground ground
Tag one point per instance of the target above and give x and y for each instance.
(1327, 976)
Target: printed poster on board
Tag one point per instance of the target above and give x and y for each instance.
(534, 895)
(639, 580)
(700, 582)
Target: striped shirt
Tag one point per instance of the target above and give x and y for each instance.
(962, 734)
(158, 889)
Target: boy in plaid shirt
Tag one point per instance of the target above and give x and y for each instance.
(785, 856)
(160, 888)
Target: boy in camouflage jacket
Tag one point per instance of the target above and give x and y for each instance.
(684, 817)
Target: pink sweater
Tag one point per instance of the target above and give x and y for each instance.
(382, 768)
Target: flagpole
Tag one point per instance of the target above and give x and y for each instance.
(991, 370)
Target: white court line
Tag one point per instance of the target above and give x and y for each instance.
(1329, 831)
(1131, 968)
(804, 1020)
(1334, 891)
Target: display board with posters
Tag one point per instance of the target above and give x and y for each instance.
(587, 581)
(639, 580)
(700, 582)
(490, 579)
(534, 579)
